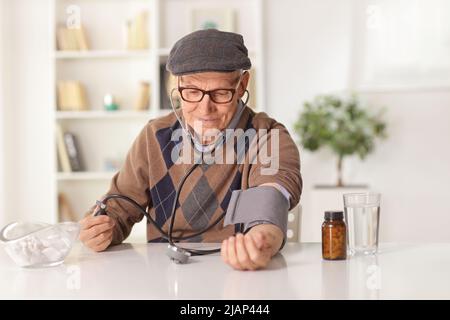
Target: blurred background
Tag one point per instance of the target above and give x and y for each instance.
(348, 78)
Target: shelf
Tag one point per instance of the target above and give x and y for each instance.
(93, 54)
(83, 176)
(110, 68)
(99, 115)
(102, 114)
(402, 88)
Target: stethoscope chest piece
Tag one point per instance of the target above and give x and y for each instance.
(177, 255)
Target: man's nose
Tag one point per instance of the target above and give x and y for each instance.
(206, 106)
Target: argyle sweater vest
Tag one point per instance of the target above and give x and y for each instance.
(151, 175)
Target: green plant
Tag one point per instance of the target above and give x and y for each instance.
(343, 125)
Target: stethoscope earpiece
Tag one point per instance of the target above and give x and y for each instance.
(248, 97)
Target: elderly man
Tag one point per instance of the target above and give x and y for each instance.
(211, 70)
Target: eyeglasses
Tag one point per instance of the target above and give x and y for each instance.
(219, 96)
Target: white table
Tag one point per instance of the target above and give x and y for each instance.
(142, 271)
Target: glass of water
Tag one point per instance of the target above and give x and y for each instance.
(362, 215)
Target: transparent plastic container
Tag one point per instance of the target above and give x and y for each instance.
(37, 244)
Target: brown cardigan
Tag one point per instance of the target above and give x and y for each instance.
(150, 177)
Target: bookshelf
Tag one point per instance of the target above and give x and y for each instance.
(108, 67)
(105, 114)
(85, 175)
(103, 54)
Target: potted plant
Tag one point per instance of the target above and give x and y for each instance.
(342, 125)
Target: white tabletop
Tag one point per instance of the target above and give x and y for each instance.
(142, 271)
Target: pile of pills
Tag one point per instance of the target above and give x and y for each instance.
(44, 247)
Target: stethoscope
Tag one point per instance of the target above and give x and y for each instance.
(176, 253)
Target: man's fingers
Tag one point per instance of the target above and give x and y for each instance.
(95, 230)
(91, 221)
(258, 257)
(100, 240)
(253, 252)
(224, 250)
(259, 239)
(232, 257)
(242, 255)
(102, 246)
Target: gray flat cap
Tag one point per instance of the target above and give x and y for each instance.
(208, 50)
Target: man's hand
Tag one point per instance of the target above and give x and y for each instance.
(253, 250)
(96, 232)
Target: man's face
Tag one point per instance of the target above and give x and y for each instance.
(206, 114)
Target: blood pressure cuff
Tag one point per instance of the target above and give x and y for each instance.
(264, 204)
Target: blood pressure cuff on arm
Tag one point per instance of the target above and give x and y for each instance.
(264, 204)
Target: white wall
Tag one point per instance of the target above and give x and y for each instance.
(3, 217)
(28, 151)
(412, 168)
(309, 52)
(308, 47)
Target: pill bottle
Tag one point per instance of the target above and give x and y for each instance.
(334, 236)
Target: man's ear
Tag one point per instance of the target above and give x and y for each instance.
(244, 83)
